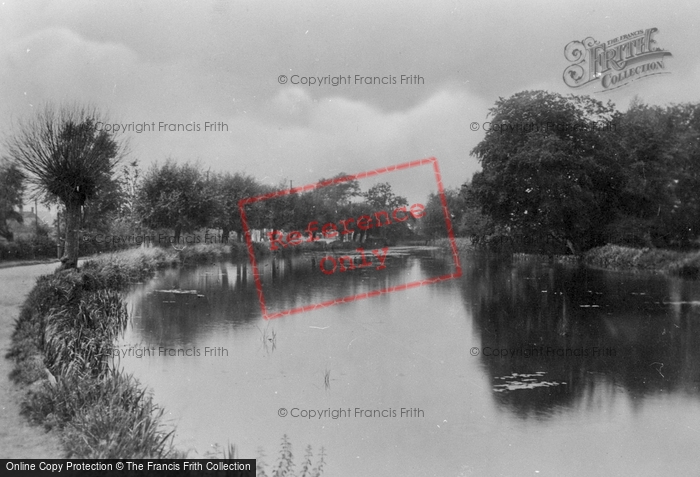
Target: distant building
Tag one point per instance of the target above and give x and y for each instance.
(28, 226)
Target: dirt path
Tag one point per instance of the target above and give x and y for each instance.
(18, 438)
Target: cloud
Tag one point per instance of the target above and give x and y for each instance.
(219, 62)
(59, 65)
(303, 139)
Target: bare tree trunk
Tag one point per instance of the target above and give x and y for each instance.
(72, 242)
(225, 234)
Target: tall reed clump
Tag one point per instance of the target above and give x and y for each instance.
(62, 346)
(284, 466)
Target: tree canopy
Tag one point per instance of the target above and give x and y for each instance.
(555, 173)
(66, 159)
(175, 196)
(578, 171)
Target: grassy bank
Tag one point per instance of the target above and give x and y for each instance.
(682, 264)
(614, 257)
(62, 347)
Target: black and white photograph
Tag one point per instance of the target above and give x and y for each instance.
(315, 238)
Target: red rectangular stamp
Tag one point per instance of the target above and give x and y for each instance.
(319, 217)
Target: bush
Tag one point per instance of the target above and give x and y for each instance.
(35, 247)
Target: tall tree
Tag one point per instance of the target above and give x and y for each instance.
(549, 169)
(11, 193)
(381, 197)
(67, 160)
(433, 225)
(660, 204)
(229, 189)
(175, 196)
(339, 194)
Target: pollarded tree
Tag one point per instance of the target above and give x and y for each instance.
(175, 196)
(68, 160)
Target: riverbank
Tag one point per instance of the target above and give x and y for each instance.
(62, 345)
(615, 257)
(18, 438)
(463, 244)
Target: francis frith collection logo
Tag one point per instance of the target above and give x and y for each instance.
(614, 63)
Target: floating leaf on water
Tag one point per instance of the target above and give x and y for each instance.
(518, 381)
(178, 292)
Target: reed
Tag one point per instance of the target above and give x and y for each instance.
(284, 466)
(62, 344)
(110, 417)
(269, 338)
(327, 379)
(83, 336)
(229, 452)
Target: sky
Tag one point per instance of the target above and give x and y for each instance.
(220, 62)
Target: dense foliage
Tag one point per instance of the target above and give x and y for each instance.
(574, 171)
(11, 192)
(559, 174)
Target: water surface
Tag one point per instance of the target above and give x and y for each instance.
(516, 368)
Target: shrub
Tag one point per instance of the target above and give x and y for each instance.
(32, 248)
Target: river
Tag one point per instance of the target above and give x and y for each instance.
(518, 367)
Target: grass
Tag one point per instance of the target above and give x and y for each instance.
(107, 417)
(62, 345)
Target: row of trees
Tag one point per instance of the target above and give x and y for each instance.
(557, 169)
(183, 197)
(69, 163)
(573, 171)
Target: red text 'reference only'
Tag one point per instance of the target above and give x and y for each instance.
(330, 229)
